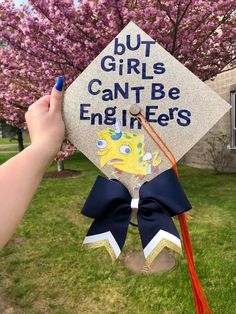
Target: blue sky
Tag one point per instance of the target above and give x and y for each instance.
(18, 2)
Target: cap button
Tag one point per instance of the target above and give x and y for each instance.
(134, 110)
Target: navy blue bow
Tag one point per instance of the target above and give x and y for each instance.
(109, 203)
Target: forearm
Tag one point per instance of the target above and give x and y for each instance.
(19, 179)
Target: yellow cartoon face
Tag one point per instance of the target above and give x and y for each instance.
(119, 151)
(124, 152)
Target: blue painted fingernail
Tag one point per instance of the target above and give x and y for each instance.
(59, 83)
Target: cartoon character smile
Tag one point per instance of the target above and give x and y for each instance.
(125, 152)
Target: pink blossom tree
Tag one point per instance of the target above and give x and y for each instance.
(43, 39)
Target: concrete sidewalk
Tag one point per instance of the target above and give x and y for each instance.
(5, 146)
(11, 145)
(9, 151)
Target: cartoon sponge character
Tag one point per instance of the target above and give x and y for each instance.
(125, 152)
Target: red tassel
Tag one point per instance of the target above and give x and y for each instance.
(200, 300)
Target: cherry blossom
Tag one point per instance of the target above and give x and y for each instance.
(44, 39)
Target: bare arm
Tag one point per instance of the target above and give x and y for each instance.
(21, 175)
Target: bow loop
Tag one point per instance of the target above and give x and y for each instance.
(107, 197)
(166, 191)
(109, 202)
(149, 205)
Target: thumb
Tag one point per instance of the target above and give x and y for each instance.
(57, 94)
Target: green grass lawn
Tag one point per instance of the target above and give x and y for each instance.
(45, 269)
(4, 148)
(13, 141)
(6, 141)
(4, 144)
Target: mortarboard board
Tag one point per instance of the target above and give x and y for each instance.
(134, 112)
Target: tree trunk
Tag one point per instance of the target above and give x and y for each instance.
(60, 166)
(20, 140)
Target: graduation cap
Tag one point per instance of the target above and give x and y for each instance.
(134, 112)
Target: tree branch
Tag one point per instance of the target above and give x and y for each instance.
(175, 29)
(166, 11)
(120, 16)
(224, 19)
(185, 10)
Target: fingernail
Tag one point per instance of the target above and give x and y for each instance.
(59, 83)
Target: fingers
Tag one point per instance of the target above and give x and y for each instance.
(41, 105)
(57, 94)
(52, 103)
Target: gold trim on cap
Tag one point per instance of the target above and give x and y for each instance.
(160, 246)
(101, 243)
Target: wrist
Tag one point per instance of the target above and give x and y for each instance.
(44, 152)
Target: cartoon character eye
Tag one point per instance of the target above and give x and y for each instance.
(125, 149)
(101, 144)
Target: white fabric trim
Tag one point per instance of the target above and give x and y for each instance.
(104, 236)
(134, 203)
(149, 169)
(157, 239)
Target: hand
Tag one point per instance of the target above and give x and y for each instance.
(45, 123)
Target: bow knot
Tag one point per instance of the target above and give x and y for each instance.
(110, 204)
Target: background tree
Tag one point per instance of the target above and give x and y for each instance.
(43, 39)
